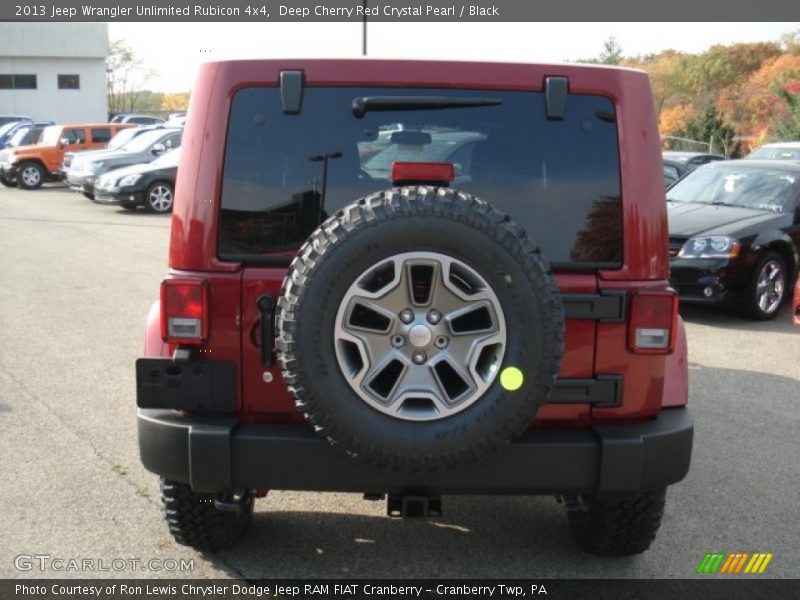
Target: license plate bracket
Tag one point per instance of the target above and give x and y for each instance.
(194, 386)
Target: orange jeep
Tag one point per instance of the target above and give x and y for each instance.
(30, 166)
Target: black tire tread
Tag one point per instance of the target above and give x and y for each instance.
(618, 527)
(194, 521)
(372, 210)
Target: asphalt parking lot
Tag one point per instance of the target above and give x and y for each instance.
(77, 281)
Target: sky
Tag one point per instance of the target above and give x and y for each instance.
(175, 50)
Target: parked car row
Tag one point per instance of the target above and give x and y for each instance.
(80, 155)
(86, 167)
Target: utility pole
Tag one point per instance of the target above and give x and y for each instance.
(364, 29)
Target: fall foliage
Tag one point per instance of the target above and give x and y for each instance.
(736, 96)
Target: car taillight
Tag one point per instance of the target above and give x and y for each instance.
(184, 311)
(653, 321)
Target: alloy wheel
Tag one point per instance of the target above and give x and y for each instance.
(160, 198)
(770, 287)
(420, 336)
(31, 176)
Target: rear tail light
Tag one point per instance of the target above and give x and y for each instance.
(184, 311)
(653, 321)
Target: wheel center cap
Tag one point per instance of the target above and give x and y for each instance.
(419, 336)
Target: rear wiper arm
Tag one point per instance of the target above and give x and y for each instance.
(365, 104)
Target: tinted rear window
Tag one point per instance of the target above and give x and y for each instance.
(558, 179)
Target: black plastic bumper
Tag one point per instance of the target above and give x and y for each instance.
(217, 454)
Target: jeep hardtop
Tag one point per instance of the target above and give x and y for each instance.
(410, 279)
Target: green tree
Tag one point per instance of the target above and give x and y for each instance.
(612, 52)
(709, 126)
(788, 128)
(126, 77)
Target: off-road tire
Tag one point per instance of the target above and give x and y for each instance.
(616, 527)
(10, 183)
(406, 220)
(20, 178)
(195, 521)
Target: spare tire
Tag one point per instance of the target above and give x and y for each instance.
(419, 329)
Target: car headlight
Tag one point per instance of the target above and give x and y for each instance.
(714, 246)
(129, 179)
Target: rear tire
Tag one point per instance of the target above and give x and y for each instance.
(616, 527)
(11, 183)
(195, 521)
(30, 175)
(88, 196)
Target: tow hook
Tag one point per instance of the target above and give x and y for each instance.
(407, 506)
(231, 502)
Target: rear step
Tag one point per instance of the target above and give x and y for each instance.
(407, 506)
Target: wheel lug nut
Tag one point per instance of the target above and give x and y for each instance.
(398, 341)
(434, 317)
(441, 342)
(418, 357)
(407, 316)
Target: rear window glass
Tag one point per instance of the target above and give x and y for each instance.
(557, 179)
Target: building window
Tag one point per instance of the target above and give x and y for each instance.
(69, 82)
(17, 82)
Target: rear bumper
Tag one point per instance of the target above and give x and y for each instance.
(219, 454)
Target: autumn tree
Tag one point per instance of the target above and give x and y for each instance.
(175, 102)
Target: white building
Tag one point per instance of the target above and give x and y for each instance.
(54, 71)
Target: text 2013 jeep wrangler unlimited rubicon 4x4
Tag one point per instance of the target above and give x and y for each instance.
(413, 279)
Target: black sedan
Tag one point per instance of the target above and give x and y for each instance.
(151, 185)
(734, 233)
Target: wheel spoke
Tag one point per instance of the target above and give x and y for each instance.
(367, 315)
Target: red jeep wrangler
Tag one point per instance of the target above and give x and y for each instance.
(410, 279)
